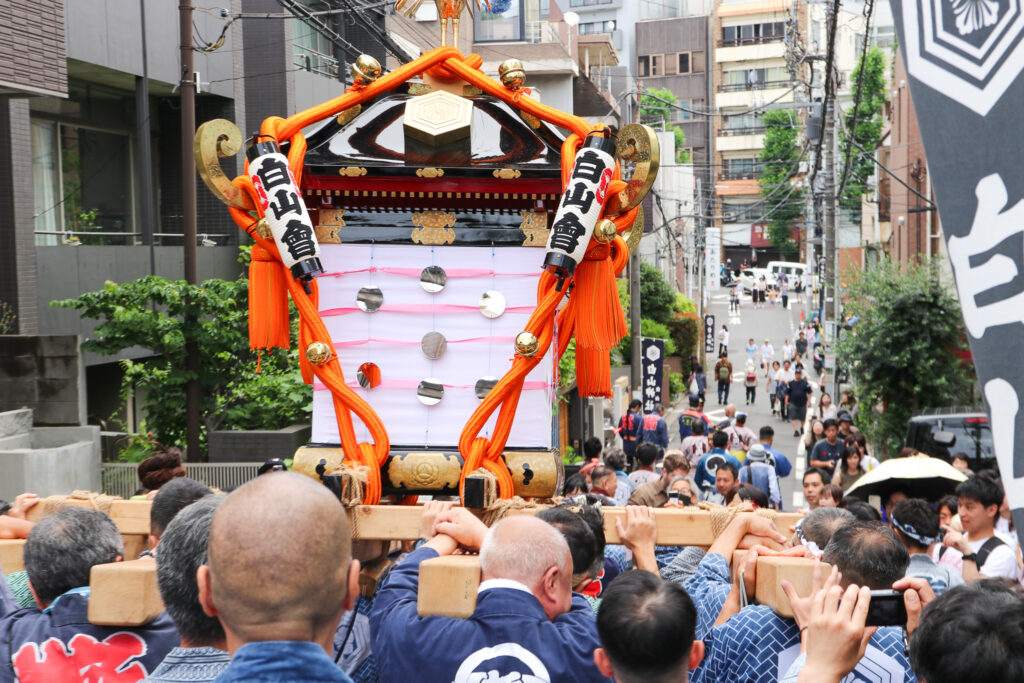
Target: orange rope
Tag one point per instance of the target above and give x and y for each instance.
(445, 63)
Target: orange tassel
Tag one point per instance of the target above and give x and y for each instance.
(593, 372)
(268, 302)
(600, 322)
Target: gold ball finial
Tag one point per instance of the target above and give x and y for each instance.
(366, 70)
(512, 74)
(318, 353)
(605, 231)
(527, 344)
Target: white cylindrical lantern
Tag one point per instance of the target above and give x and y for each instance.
(284, 209)
(581, 205)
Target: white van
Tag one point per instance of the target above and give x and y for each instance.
(790, 268)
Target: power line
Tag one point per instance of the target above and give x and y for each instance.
(858, 94)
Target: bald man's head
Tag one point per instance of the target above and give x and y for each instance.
(279, 558)
(534, 553)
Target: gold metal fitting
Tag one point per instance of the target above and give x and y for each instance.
(605, 231)
(512, 74)
(366, 70)
(318, 353)
(527, 344)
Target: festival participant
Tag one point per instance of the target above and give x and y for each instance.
(13, 520)
(527, 623)
(604, 484)
(629, 429)
(827, 452)
(754, 643)
(759, 469)
(707, 466)
(741, 437)
(55, 641)
(646, 455)
(647, 629)
(814, 481)
(766, 436)
(616, 460)
(978, 552)
(655, 493)
(172, 498)
(690, 417)
(917, 526)
(654, 429)
(831, 496)
(279, 575)
(157, 470)
(696, 445)
(202, 654)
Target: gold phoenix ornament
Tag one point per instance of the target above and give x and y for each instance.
(447, 11)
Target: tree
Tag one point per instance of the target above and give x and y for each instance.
(865, 123)
(660, 307)
(783, 202)
(902, 352)
(152, 313)
(656, 110)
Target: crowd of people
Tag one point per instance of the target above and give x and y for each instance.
(267, 584)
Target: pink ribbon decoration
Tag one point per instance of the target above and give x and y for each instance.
(405, 342)
(416, 272)
(414, 384)
(422, 309)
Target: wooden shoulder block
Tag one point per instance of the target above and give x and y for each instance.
(131, 516)
(799, 571)
(124, 593)
(39, 511)
(448, 586)
(12, 555)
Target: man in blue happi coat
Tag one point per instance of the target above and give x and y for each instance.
(527, 626)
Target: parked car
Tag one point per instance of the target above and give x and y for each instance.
(792, 269)
(970, 429)
(751, 275)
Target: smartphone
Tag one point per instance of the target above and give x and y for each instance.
(674, 496)
(887, 609)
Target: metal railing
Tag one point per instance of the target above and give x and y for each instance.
(543, 32)
(753, 40)
(310, 60)
(740, 87)
(121, 478)
(752, 130)
(740, 175)
(74, 237)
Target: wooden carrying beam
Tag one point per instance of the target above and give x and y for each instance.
(448, 585)
(675, 527)
(124, 593)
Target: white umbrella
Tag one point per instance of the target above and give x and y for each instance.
(917, 476)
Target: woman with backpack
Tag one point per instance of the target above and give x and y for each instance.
(723, 372)
(750, 382)
(773, 384)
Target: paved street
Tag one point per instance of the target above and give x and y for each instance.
(775, 324)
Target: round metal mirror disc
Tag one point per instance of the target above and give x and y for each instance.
(434, 345)
(492, 303)
(368, 375)
(430, 391)
(370, 299)
(433, 279)
(484, 386)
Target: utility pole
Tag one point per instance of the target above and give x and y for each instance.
(188, 200)
(145, 153)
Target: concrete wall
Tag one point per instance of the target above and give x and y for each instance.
(108, 33)
(67, 272)
(44, 373)
(555, 90)
(257, 445)
(50, 461)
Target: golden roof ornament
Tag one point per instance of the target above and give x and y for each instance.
(447, 11)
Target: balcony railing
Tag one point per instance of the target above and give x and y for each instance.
(752, 130)
(753, 40)
(744, 174)
(740, 87)
(308, 59)
(544, 32)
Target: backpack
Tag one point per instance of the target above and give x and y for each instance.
(986, 549)
(723, 373)
(751, 377)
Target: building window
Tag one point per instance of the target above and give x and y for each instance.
(754, 79)
(585, 3)
(683, 62)
(595, 27)
(509, 26)
(741, 211)
(82, 184)
(657, 65)
(753, 34)
(313, 51)
(643, 66)
(697, 62)
(739, 169)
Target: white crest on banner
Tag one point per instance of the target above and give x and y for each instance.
(989, 260)
(968, 50)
